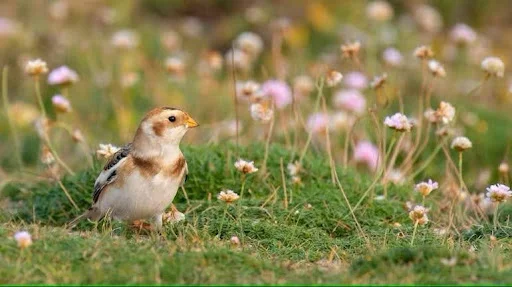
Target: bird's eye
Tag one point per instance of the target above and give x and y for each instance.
(172, 119)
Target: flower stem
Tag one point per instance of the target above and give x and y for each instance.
(495, 217)
(9, 120)
(223, 219)
(414, 233)
(460, 170)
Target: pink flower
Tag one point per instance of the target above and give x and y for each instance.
(61, 104)
(278, 91)
(368, 153)
(62, 76)
(350, 100)
(356, 80)
(318, 122)
(392, 57)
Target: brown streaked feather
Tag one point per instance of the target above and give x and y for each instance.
(159, 128)
(118, 156)
(147, 167)
(176, 168)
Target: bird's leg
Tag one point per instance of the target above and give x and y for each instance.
(157, 220)
(174, 215)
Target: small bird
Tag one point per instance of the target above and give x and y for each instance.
(141, 179)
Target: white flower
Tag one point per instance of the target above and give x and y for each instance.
(378, 81)
(493, 66)
(398, 122)
(395, 176)
(47, 157)
(333, 78)
(461, 144)
(23, 239)
(106, 150)
(498, 193)
(228, 196)
(423, 52)
(250, 43)
(245, 167)
(237, 59)
(77, 136)
(175, 66)
(125, 39)
(379, 11)
(248, 91)
(418, 214)
(445, 112)
(436, 69)
(425, 188)
(294, 168)
(36, 67)
(428, 18)
(430, 115)
(262, 113)
(173, 216)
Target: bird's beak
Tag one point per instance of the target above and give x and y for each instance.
(191, 123)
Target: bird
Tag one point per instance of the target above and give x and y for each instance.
(142, 178)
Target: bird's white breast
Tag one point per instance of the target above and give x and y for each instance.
(141, 197)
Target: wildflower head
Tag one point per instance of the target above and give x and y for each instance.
(248, 91)
(228, 196)
(436, 69)
(379, 81)
(423, 52)
(318, 123)
(418, 214)
(106, 150)
(175, 66)
(445, 112)
(351, 50)
(245, 167)
(237, 59)
(171, 40)
(294, 168)
(234, 240)
(498, 193)
(493, 66)
(261, 112)
(392, 57)
(461, 144)
(61, 104)
(303, 85)
(47, 157)
(277, 91)
(250, 43)
(462, 34)
(426, 187)
(355, 80)
(23, 239)
(77, 136)
(333, 78)
(350, 100)
(379, 11)
(367, 153)
(398, 122)
(428, 18)
(125, 39)
(504, 168)
(62, 76)
(36, 67)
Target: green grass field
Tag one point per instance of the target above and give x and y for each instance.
(313, 240)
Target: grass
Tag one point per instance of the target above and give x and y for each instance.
(298, 244)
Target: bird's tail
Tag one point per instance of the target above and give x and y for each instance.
(92, 213)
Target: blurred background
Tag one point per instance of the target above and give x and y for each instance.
(133, 55)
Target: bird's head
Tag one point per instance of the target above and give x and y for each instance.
(164, 126)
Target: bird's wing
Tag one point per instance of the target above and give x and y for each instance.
(109, 172)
